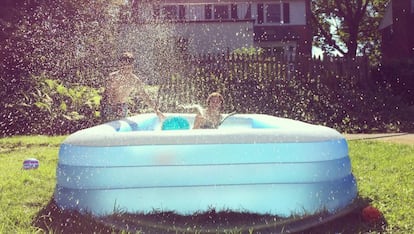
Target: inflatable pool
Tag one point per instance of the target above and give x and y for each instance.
(252, 163)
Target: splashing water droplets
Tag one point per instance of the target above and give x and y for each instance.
(154, 43)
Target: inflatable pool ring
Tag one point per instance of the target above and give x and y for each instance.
(304, 169)
(175, 123)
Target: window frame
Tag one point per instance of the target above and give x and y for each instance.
(263, 13)
(227, 11)
(278, 14)
(171, 12)
(211, 12)
(168, 14)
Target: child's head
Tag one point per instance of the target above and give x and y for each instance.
(127, 58)
(215, 99)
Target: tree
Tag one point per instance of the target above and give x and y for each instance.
(72, 41)
(64, 39)
(348, 27)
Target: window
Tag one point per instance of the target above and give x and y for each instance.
(273, 13)
(181, 12)
(169, 12)
(244, 11)
(204, 12)
(196, 12)
(260, 12)
(286, 13)
(233, 11)
(221, 12)
(208, 12)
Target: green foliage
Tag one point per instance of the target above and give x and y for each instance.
(255, 84)
(23, 192)
(57, 100)
(384, 174)
(62, 104)
(50, 107)
(248, 51)
(348, 27)
(72, 40)
(398, 77)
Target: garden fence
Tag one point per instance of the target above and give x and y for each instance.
(248, 82)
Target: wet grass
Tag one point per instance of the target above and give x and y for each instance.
(384, 172)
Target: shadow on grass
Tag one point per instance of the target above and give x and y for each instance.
(53, 219)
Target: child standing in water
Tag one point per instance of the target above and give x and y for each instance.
(119, 86)
(211, 116)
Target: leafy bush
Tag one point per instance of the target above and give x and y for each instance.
(52, 108)
(49, 106)
(339, 104)
(398, 77)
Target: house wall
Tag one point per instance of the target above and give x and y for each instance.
(296, 33)
(398, 37)
(208, 35)
(216, 37)
(297, 13)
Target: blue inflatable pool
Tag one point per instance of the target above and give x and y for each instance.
(252, 163)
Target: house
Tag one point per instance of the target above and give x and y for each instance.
(397, 30)
(279, 27)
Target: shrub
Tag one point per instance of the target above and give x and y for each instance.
(52, 108)
(398, 77)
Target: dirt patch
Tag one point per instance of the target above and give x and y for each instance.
(51, 218)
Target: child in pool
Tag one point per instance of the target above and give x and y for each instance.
(119, 86)
(211, 116)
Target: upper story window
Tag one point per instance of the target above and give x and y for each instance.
(171, 12)
(226, 11)
(273, 13)
(204, 11)
(221, 12)
(218, 11)
(195, 12)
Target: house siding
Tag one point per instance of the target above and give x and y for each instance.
(257, 23)
(398, 36)
(216, 37)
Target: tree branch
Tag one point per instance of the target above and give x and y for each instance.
(328, 36)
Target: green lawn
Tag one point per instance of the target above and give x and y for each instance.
(384, 172)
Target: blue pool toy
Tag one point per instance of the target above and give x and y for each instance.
(30, 163)
(175, 123)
